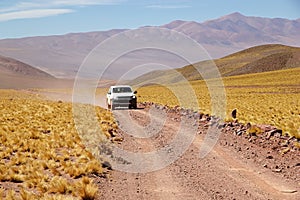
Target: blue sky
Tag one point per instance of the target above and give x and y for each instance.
(23, 18)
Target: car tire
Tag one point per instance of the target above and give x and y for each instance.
(132, 106)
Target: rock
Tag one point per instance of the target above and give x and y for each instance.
(266, 128)
(291, 138)
(106, 165)
(276, 132)
(285, 143)
(277, 170)
(111, 132)
(206, 125)
(289, 191)
(213, 123)
(239, 132)
(176, 107)
(201, 115)
(203, 119)
(269, 157)
(197, 116)
(117, 139)
(228, 129)
(220, 126)
(230, 124)
(233, 114)
(254, 130)
(269, 134)
(248, 125)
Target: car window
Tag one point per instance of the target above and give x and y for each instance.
(122, 90)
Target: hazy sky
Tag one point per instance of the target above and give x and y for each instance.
(22, 18)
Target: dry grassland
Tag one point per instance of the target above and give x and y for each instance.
(42, 156)
(265, 98)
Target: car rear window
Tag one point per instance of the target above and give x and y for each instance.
(122, 90)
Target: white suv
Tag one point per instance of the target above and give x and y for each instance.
(121, 96)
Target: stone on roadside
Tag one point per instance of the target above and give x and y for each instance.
(107, 165)
(234, 113)
(254, 130)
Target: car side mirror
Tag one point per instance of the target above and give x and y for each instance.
(109, 93)
(134, 92)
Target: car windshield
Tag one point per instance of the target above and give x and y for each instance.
(122, 90)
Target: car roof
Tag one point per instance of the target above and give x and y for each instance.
(116, 86)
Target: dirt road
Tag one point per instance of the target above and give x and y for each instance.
(223, 174)
(238, 167)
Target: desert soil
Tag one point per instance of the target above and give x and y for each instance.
(240, 166)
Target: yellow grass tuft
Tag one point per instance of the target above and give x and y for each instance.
(297, 144)
(1, 193)
(94, 167)
(11, 195)
(26, 195)
(41, 150)
(60, 185)
(86, 189)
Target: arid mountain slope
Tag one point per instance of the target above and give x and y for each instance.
(15, 67)
(253, 60)
(62, 55)
(18, 75)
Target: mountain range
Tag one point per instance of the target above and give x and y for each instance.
(62, 55)
(258, 59)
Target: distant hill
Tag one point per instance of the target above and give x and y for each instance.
(11, 66)
(62, 55)
(260, 59)
(18, 75)
(252, 60)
